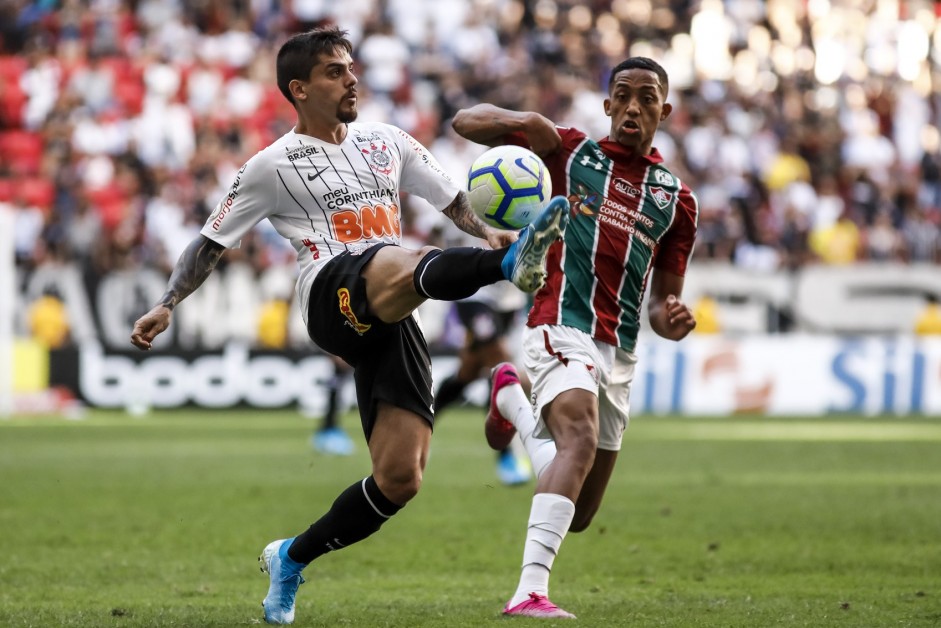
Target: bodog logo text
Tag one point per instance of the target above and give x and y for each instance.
(347, 311)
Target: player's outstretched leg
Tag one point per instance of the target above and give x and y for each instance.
(498, 430)
(537, 606)
(285, 576)
(525, 261)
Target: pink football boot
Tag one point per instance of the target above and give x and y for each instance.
(537, 606)
(498, 430)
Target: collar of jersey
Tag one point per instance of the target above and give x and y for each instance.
(617, 152)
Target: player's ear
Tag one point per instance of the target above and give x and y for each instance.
(607, 107)
(666, 111)
(297, 90)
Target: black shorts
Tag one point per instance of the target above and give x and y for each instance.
(391, 361)
(483, 323)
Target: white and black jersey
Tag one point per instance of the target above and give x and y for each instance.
(327, 198)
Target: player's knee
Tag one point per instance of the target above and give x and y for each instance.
(425, 250)
(579, 425)
(399, 484)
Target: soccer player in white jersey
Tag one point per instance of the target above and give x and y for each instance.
(632, 221)
(331, 187)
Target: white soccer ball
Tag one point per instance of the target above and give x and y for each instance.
(508, 186)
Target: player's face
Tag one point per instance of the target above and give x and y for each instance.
(636, 107)
(332, 87)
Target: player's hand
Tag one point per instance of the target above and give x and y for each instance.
(500, 238)
(149, 326)
(544, 138)
(679, 318)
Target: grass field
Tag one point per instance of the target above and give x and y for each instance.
(115, 521)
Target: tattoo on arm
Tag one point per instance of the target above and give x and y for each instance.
(463, 216)
(191, 270)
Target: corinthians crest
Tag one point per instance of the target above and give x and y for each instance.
(379, 158)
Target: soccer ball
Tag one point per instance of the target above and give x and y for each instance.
(508, 186)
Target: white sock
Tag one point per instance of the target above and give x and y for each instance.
(513, 404)
(549, 520)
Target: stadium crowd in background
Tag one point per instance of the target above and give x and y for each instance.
(809, 130)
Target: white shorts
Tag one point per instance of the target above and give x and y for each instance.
(559, 358)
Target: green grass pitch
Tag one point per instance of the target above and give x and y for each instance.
(157, 521)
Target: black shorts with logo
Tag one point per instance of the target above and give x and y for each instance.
(391, 361)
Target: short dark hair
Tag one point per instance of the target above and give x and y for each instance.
(299, 54)
(642, 63)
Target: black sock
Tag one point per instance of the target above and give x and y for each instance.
(450, 391)
(333, 399)
(359, 511)
(456, 273)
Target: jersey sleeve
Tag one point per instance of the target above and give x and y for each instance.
(421, 173)
(248, 201)
(571, 137)
(557, 161)
(676, 246)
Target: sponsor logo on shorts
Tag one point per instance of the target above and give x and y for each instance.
(360, 328)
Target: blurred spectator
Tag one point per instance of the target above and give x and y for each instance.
(204, 88)
(93, 83)
(922, 236)
(706, 311)
(40, 84)
(273, 324)
(881, 241)
(85, 229)
(385, 58)
(28, 221)
(929, 320)
(839, 243)
(48, 321)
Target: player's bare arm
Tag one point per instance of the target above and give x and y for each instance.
(669, 317)
(461, 214)
(486, 123)
(194, 266)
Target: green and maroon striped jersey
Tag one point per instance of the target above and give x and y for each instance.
(629, 215)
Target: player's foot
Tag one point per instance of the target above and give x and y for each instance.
(525, 261)
(333, 441)
(511, 470)
(285, 577)
(537, 606)
(497, 429)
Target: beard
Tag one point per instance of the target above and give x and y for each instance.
(347, 115)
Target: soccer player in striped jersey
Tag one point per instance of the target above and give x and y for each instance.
(331, 187)
(633, 222)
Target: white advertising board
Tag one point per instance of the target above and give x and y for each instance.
(789, 375)
(780, 375)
